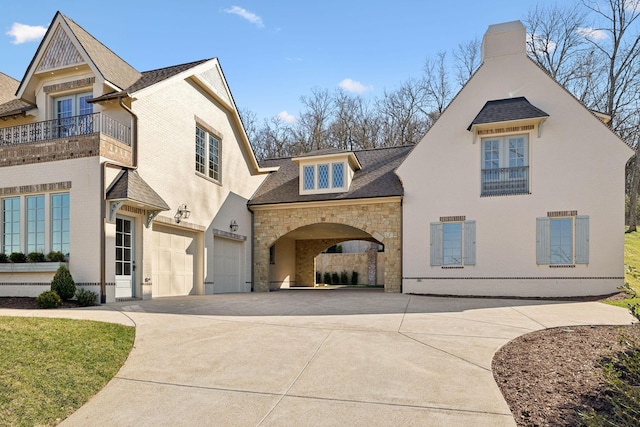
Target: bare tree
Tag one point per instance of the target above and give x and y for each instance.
(312, 129)
(467, 60)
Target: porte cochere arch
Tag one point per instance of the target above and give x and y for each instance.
(301, 231)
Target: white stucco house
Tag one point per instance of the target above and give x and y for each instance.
(141, 178)
(517, 190)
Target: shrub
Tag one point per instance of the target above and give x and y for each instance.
(49, 299)
(63, 283)
(17, 257)
(86, 298)
(344, 278)
(56, 256)
(354, 278)
(318, 277)
(335, 279)
(327, 278)
(36, 257)
(3, 258)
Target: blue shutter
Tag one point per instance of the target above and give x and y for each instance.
(543, 240)
(436, 243)
(469, 243)
(582, 239)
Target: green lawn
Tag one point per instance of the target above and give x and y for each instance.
(51, 367)
(631, 267)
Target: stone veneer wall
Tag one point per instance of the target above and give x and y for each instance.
(381, 220)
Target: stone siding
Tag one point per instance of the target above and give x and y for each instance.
(381, 220)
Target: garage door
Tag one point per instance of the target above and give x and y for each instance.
(227, 266)
(173, 262)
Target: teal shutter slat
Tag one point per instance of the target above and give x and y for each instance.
(436, 243)
(543, 240)
(582, 239)
(469, 243)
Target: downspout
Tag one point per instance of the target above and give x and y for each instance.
(103, 207)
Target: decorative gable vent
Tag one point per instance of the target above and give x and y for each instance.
(60, 53)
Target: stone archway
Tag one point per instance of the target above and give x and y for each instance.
(316, 225)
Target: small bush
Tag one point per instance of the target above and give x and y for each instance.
(86, 298)
(335, 279)
(327, 278)
(63, 283)
(3, 258)
(354, 278)
(49, 299)
(36, 257)
(318, 277)
(344, 278)
(17, 257)
(56, 256)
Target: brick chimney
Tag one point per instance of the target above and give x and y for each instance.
(504, 39)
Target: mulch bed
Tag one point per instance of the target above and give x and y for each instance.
(547, 377)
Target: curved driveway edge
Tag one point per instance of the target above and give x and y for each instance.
(311, 357)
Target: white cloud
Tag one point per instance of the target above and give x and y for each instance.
(22, 33)
(353, 86)
(285, 117)
(592, 33)
(244, 13)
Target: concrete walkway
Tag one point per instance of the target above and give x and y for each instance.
(334, 358)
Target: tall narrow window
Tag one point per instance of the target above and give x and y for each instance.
(323, 176)
(309, 179)
(561, 241)
(35, 223)
(60, 220)
(200, 150)
(338, 175)
(452, 243)
(214, 158)
(11, 225)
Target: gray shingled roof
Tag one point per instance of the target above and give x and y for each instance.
(377, 178)
(128, 185)
(8, 88)
(113, 68)
(149, 78)
(14, 107)
(505, 110)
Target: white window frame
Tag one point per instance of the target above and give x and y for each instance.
(467, 243)
(3, 233)
(208, 154)
(331, 180)
(44, 228)
(502, 171)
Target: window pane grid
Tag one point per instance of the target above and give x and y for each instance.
(60, 223)
(214, 158)
(11, 225)
(35, 223)
(309, 178)
(200, 150)
(323, 176)
(338, 175)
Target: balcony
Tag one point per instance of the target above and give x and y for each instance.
(75, 137)
(505, 181)
(67, 127)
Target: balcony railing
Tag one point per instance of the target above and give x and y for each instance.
(66, 127)
(504, 181)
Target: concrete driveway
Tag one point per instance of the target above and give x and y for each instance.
(317, 357)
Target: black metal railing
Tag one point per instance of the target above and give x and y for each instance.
(503, 181)
(66, 127)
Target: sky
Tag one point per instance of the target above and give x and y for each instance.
(271, 52)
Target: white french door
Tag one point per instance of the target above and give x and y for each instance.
(125, 260)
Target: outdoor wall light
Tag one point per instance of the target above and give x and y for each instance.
(233, 226)
(183, 213)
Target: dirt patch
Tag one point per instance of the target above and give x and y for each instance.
(27, 303)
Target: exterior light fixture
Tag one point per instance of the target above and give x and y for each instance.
(182, 213)
(233, 226)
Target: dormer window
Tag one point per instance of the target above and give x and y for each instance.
(326, 173)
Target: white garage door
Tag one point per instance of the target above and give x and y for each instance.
(173, 262)
(227, 266)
